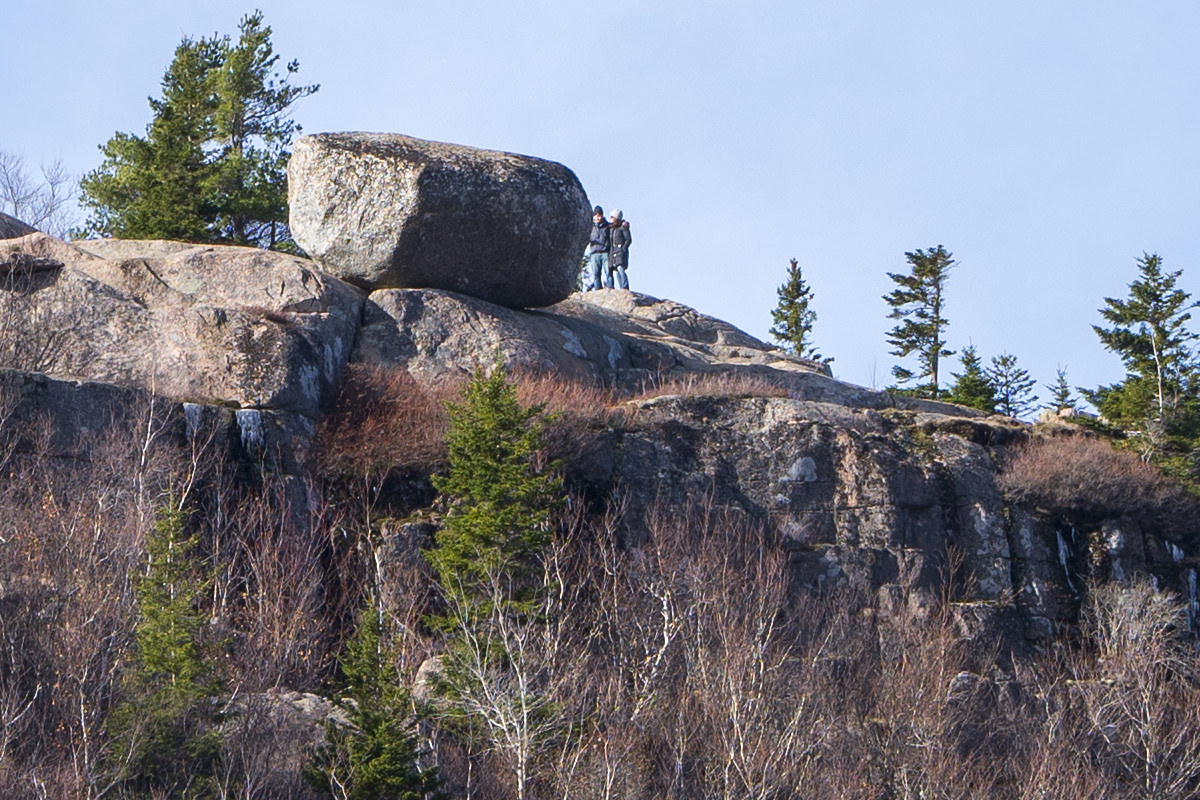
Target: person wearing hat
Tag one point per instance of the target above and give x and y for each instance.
(597, 252)
(619, 241)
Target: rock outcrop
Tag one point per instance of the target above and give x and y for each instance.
(863, 487)
(391, 211)
(226, 325)
(620, 338)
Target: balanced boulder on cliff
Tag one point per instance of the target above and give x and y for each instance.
(391, 211)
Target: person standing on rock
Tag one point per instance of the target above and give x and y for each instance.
(620, 239)
(597, 252)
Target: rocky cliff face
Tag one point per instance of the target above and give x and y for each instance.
(864, 488)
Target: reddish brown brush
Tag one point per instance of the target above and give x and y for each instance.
(384, 419)
(1085, 476)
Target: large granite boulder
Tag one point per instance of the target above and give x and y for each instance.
(391, 211)
(235, 326)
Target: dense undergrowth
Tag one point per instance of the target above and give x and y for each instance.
(686, 667)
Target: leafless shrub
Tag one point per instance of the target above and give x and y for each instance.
(283, 636)
(575, 411)
(71, 541)
(1080, 475)
(1139, 687)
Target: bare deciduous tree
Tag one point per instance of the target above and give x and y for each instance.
(46, 203)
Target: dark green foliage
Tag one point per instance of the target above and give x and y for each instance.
(1061, 398)
(164, 732)
(499, 517)
(489, 564)
(376, 756)
(918, 302)
(1012, 385)
(211, 167)
(161, 186)
(1149, 332)
(793, 318)
(972, 387)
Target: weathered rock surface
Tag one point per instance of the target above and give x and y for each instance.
(622, 338)
(391, 211)
(872, 499)
(11, 227)
(434, 334)
(227, 325)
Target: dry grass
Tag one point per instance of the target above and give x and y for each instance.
(713, 384)
(1084, 476)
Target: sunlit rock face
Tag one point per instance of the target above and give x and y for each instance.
(390, 211)
(235, 326)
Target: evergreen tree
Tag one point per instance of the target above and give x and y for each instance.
(489, 564)
(793, 318)
(212, 166)
(164, 732)
(1013, 386)
(1149, 332)
(918, 302)
(376, 756)
(499, 519)
(971, 387)
(161, 186)
(1061, 398)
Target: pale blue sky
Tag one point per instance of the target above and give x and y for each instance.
(1047, 144)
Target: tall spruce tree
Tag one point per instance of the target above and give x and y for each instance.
(212, 165)
(489, 564)
(500, 502)
(918, 302)
(1013, 386)
(971, 387)
(1149, 332)
(164, 731)
(793, 317)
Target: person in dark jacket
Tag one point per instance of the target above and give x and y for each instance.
(597, 252)
(618, 251)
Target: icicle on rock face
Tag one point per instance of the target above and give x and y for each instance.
(1176, 552)
(1193, 601)
(193, 416)
(249, 422)
(1064, 557)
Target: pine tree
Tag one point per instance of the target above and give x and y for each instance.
(793, 318)
(164, 731)
(1149, 332)
(1013, 386)
(251, 119)
(918, 302)
(161, 186)
(500, 504)
(1061, 398)
(972, 388)
(489, 564)
(211, 167)
(376, 756)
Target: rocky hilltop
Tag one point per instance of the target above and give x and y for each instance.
(861, 484)
(861, 491)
